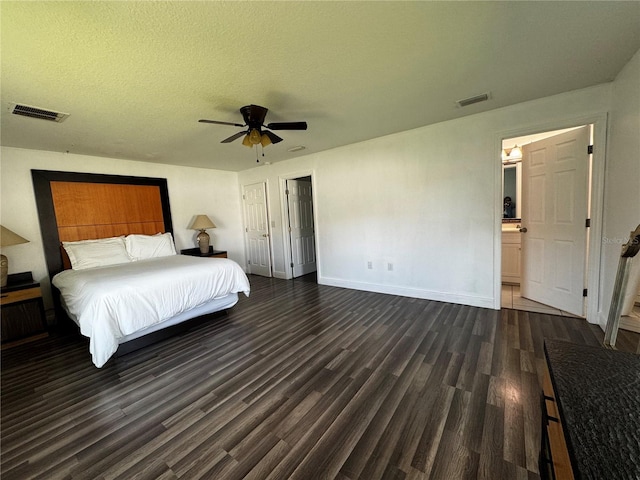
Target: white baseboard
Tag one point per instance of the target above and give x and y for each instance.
(280, 275)
(462, 299)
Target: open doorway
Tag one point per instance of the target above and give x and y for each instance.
(545, 225)
(300, 228)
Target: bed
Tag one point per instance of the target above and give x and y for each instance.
(113, 265)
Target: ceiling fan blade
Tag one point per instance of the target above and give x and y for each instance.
(288, 126)
(233, 137)
(272, 136)
(221, 123)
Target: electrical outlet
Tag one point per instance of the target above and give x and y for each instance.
(390, 267)
(370, 265)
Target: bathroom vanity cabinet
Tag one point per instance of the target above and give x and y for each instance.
(511, 257)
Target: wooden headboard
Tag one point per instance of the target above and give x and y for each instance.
(83, 206)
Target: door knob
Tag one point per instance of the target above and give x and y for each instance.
(265, 234)
(523, 229)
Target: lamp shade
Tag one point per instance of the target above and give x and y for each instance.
(8, 238)
(201, 222)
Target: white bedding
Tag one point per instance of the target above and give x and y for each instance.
(111, 302)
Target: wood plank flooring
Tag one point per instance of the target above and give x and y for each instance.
(299, 381)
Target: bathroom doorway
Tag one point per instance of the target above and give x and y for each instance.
(545, 226)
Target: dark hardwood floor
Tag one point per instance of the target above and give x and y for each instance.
(299, 381)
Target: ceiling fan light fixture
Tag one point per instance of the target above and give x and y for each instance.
(254, 136)
(512, 153)
(265, 140)
(254, 116)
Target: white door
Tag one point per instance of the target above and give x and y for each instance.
(555, 176)
(257, 228)
(301, 231)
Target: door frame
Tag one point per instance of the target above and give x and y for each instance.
(287, 253)
(594, 249)
(244, 224)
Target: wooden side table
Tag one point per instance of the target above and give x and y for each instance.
(22, 314)
(195, 252)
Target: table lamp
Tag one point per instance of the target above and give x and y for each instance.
(202, 222)
(7, 238)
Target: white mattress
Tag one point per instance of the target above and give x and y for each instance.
(120, 302)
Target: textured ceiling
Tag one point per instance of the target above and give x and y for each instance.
(135, 77)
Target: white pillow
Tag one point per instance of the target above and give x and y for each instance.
(96, 253)
(141, 247)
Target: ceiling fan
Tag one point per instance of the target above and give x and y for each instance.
(256, 132)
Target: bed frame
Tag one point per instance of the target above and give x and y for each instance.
(81, 206)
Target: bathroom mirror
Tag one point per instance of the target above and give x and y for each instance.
(511, 191)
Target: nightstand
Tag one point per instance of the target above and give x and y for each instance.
(22, 310)
(195, 252)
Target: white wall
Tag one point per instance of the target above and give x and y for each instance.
(426, 200)
(622, 197)
(191, 191)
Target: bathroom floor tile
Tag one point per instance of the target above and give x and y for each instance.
(510, 298)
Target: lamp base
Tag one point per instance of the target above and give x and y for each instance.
(203, 241)
(4, 270)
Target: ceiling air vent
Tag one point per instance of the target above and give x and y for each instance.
(471, 100)
(35, 112)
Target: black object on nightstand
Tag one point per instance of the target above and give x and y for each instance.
(195, 252)
(22, 313)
